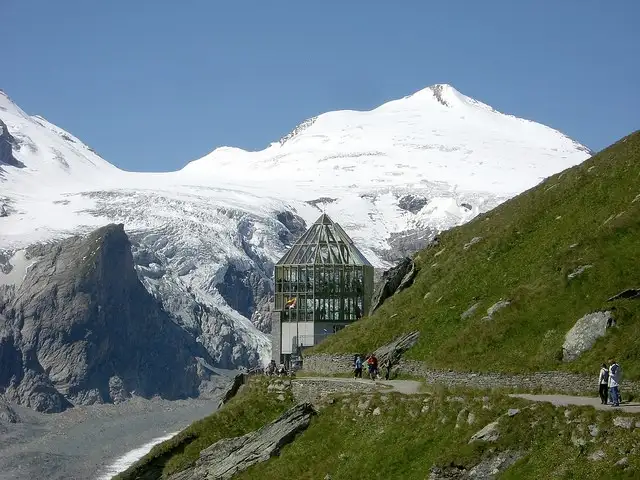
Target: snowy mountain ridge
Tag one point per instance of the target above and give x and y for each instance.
(205, 237)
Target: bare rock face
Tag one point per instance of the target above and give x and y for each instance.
(393, 351)
(231, 390)
(82, 329)
(629, 293)
(7, 142)
(488, 469)
(7, 414)
(229, 456)
(489, 433)
(584, 334)
(393, 281)
(412, 203)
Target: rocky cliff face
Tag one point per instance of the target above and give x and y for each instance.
(80, 328)
(393, 281)
(7, 142)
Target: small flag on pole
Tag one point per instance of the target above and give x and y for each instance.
(291, 303)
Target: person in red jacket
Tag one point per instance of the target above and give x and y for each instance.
(372, 363)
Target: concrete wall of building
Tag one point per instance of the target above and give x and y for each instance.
(305, 330)
(276, 337)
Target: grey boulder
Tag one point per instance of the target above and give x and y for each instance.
(229, 456)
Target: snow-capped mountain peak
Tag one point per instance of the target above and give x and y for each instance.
(435, 135)
(205, 238)
(49, 157)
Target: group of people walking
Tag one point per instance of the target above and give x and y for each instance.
(372, 367)
(609, 382)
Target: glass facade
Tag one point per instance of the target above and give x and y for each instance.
(323, 278)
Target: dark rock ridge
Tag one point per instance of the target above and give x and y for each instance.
(393, 351)
(231, 391)
(294, 227)
(412, 203)
(393, 281)
(629, 293)
(298, 130)
(7, 143)
(321, 201)
(82, 329)
(229, 456)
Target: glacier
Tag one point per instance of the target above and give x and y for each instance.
(206, 237)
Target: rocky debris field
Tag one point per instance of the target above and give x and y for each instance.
(83, 442)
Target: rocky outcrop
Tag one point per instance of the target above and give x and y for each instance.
(584, 333)
(578, 271)
(7, 143)
(496, 307)
(393, 281)
(229, 456)
(412, 203)
(627, 294)
(488, 433)
(7, 414)
(488, 469)
(294, 226)
(231, 391)
(82, 329)
(472, 242)
(393, 351)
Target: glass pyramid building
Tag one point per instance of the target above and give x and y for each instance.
(322, 284)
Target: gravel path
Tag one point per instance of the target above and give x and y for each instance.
(408, 387)
(412, 387)
(83, 443)
(565, 400)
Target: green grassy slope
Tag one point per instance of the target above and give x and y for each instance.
(252, 408)
(404, 441)
(587, 215)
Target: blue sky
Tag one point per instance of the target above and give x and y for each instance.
(153, 84)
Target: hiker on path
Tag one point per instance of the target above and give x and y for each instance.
(387, 368)
(372, 362)
(603, 381)
(614, 383)
(357, 367)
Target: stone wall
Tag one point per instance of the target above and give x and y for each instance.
(562, 382)
(328, 364)
(316, 390)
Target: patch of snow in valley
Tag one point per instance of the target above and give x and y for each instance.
(125, 461)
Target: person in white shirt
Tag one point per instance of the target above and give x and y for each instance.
(614, 383)
(603, 382)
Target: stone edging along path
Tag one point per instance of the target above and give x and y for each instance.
(547, 381)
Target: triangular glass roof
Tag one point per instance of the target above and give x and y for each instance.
(324, 243)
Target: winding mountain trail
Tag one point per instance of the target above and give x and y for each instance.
(412, 387)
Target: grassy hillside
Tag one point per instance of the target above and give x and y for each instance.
(388, 435)
(525, 250)
(410, 435)
(248, 411)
